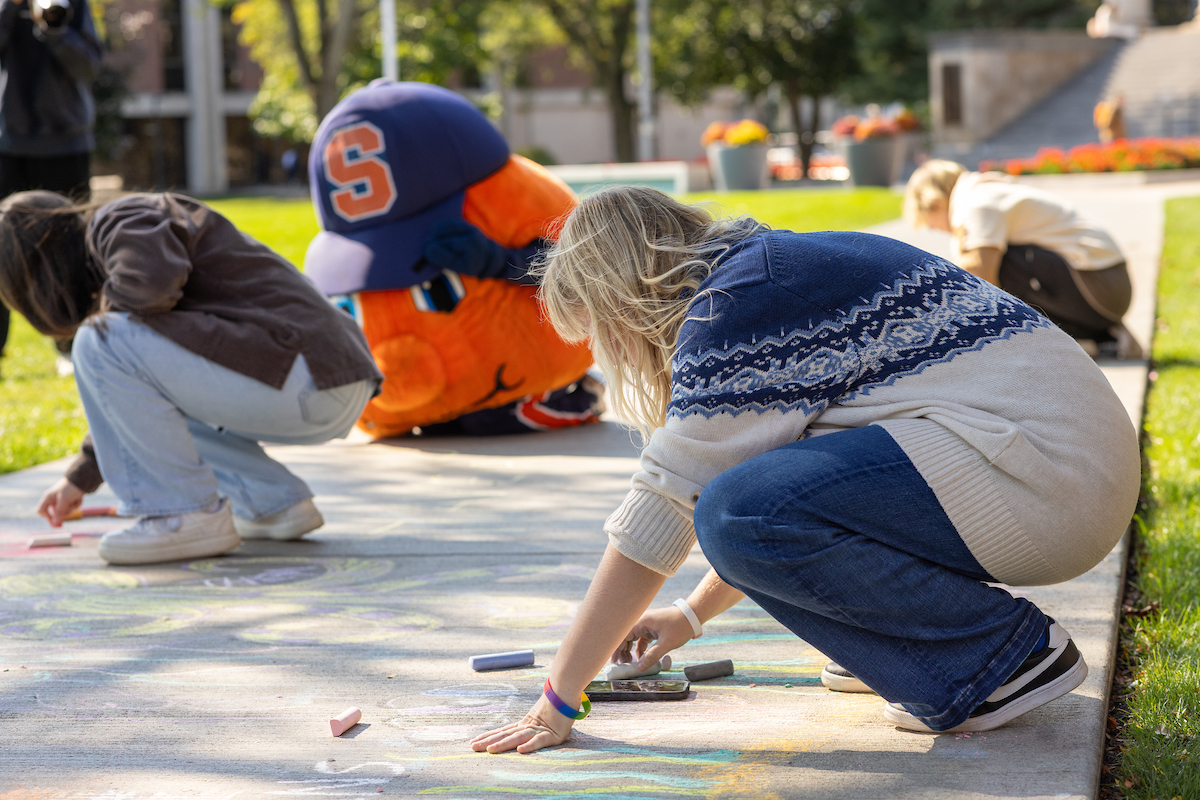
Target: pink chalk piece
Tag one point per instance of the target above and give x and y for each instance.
(345, 721)
(51, 540)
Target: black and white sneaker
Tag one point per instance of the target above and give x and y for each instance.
(1047, 673)
(839, 679)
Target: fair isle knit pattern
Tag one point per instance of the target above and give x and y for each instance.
(926, 317)
(1014, 428)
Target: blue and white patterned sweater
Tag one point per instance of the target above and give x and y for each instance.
(1016, 430)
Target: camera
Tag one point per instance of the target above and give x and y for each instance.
(51, 13)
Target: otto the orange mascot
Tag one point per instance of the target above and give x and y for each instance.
(430, 226)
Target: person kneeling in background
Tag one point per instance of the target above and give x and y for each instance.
(1033, 245)
(192, 343)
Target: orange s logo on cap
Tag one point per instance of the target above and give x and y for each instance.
(363, 180)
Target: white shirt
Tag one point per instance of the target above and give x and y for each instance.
(990, 209)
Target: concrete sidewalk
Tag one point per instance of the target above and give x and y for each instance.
(216, 678)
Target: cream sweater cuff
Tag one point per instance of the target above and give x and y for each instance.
(651, 530)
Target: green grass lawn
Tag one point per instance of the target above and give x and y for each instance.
(286, 226)
(40, 416)
(1161, 738)
(809, 209)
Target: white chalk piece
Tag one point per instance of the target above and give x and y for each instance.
(713, 669)
(515, 658)
(625, 672)
(51, 540)
(345, 721)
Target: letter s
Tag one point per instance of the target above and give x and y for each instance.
(364, 182)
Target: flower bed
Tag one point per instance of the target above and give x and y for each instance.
(1123, 155)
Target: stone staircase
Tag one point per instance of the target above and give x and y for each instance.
(1158, 75)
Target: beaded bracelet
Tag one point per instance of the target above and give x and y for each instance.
(563, 708)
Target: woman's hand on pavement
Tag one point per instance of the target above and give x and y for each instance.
(543, 726)
(60, 500)
(658, 632)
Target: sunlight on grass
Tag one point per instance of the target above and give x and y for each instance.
(1161, 750)
(808, 209)
(40, 415)
(284, 225)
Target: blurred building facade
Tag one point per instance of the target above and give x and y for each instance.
(187, 89)
(1007, 94)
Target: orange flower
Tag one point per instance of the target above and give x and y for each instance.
(1122, 155)
(875, 128)
(715, 132)
(906, 120)
(844, 126)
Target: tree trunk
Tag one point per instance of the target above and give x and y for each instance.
(296, 40)
(621, 112)
(328, 91)
(605, 58)
(805, 134)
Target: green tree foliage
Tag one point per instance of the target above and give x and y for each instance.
(302, 47)
(807, 47)
(308, 67)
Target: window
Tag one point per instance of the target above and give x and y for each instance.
(952, 94)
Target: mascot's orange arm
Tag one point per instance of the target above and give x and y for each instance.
(518, 203)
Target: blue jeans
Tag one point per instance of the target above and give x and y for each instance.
(173, 431)
(840, 539)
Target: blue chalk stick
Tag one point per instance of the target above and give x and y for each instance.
(517, 658)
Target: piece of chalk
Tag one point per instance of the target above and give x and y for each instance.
(625, 672)
(51, 540)
(92, 511)
(345, 721)
(516, 658)
(713, 669)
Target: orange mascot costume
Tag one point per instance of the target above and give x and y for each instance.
(429, 227)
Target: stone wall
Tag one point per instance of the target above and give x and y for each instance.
(981, 80)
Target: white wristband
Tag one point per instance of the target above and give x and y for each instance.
(682, 605)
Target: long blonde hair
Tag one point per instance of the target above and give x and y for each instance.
(930, 186)
(623, 274)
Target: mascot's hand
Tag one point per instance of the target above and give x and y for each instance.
(461, 247)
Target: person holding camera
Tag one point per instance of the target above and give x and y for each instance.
(49, 54)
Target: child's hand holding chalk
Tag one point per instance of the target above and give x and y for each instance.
(60, 501)
(624, 672)
(657, 633)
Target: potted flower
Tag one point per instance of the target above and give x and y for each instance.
(869, 146)
(737, 154)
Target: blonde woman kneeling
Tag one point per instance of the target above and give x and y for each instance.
(1031, 244)
(860, 435)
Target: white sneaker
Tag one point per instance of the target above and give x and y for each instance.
(282, 526)
(1045, 674)
(196, 534)
(839, 679)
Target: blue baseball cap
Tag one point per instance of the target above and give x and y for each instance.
(387, 164)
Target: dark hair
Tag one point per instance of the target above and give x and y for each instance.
(46, 273)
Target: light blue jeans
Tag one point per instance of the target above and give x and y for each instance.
(173, 431)
(840, 539)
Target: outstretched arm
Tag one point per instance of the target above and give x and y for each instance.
(620, 592)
